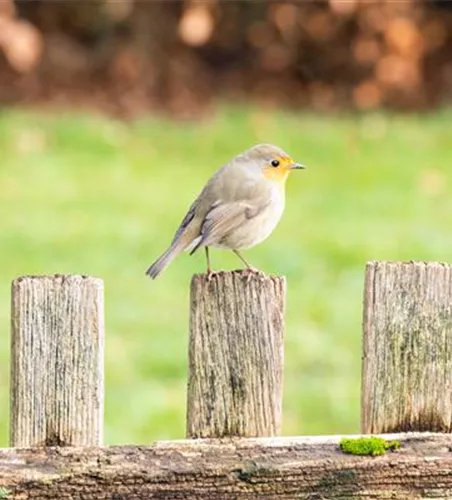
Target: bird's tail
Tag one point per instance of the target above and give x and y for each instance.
(165, 259)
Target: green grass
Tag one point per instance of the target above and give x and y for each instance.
(85, 194)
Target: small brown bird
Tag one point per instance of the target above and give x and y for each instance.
(238, 208)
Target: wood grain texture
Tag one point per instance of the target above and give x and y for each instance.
(240, 469)
(235, 355)
(57, 351)
(407, 347)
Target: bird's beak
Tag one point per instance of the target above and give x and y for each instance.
(297, 166)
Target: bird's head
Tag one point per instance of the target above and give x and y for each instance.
(271, 161)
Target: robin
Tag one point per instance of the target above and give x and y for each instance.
(238, 208)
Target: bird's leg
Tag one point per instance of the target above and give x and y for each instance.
(250, 269)
(209, 269)
(210, 273)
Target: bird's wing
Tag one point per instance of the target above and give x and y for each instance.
(186, 221)
(224, 218)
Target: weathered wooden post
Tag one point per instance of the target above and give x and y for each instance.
(57, 344)
(407, 348)
(235, 355)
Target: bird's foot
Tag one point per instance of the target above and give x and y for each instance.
(211, 274)
(252, 271)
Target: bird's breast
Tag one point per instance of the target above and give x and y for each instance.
(257, 228)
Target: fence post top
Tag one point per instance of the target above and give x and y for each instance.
(59, 279)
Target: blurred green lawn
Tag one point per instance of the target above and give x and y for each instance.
(85, 194)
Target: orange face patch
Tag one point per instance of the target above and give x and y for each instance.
(280, 172)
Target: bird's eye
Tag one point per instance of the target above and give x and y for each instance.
(275, 163)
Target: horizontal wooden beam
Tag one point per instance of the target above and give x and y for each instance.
(311, 468)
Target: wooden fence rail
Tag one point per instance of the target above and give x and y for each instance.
(234, 392)
(236, 469)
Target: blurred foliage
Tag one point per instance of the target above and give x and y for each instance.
(90, 195)
(131, 56)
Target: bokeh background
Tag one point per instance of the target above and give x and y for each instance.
(113, 113)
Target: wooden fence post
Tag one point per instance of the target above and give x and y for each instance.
(235, 355)
(407, 347)
(57, 344)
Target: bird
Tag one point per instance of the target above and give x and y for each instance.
(239, 207)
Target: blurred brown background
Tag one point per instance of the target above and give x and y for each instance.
(129, 57)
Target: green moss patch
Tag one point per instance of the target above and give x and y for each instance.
(372, 446)
(4, 493)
